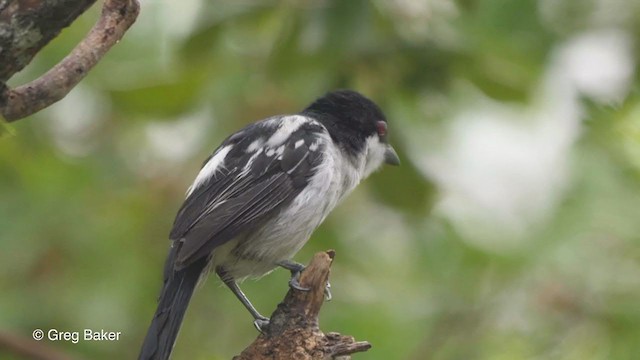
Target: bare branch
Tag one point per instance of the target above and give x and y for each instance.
(117, 16)
(293, 332)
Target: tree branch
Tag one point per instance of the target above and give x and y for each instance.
(293, 332)
(27, 26)
(117, 16)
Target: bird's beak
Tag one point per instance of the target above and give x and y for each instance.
(391, 157)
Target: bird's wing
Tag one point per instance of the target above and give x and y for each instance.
(251, 175)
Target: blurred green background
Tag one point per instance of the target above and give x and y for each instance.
(511, 230)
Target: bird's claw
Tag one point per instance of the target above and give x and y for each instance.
(294, 282)
(327, 292)
(261, 324)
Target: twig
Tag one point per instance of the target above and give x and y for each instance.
(117, 16)
(293, 332)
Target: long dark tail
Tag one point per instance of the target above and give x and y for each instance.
(172, 305)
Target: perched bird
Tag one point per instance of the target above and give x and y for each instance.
(259, 197)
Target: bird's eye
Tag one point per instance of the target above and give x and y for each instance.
(381, 126)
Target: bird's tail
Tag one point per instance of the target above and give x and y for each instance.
(172, 305)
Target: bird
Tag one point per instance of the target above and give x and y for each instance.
(258, 198)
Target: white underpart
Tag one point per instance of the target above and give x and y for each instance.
(210, 168)
(288, 126)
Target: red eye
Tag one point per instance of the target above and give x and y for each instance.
(381, 126)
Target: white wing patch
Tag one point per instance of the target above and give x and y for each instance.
(288, 126)
(257, 144)
(209, 169)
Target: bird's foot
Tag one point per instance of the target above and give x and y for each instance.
(294, 282)
(296, 269)
(261, 323)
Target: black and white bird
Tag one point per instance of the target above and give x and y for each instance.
(260, 196)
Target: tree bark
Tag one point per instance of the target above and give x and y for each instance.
(294, 333)
(27, 25)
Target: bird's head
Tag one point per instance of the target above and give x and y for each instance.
(357, 125)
